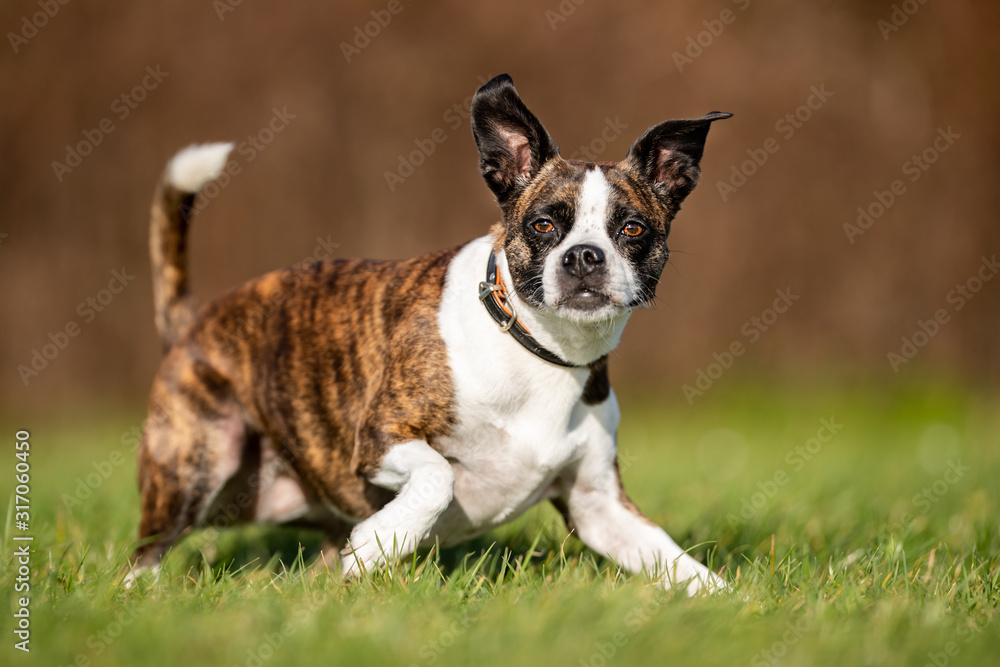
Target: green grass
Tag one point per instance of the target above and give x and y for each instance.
(841, 561)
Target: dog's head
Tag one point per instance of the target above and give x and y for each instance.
(586, 240)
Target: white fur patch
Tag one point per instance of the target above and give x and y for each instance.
(197, 165)
(612, 529)
(591, 227)
(138, 571)
(516, 431)
(592, 207)
(523, 435)
(424, 481)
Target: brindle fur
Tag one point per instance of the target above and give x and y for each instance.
(168, 252)
(325, 364)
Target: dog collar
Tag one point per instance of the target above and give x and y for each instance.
(493, 294)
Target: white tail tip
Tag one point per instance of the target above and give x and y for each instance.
(195, 166)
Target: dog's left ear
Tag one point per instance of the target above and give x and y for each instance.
(513, 145)
(668, 155)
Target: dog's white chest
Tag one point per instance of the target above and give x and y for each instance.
(520, 422)
(506, 459)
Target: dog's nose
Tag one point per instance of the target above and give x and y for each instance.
(581, 260)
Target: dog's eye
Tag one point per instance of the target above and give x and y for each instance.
(542, 226)
(633, 228)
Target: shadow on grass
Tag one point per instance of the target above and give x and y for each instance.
(248, 549)
(289, 549)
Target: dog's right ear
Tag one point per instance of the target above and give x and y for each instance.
(513, 145)
(668, 155)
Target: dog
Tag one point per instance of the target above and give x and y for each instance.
(399, 404)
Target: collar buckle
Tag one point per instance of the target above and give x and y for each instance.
(493, 296)
(485, 290)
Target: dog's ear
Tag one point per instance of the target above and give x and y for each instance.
(668, 156)
(513, 145)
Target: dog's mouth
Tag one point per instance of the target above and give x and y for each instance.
(587, 298)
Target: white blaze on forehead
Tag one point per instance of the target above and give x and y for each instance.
(592, 208)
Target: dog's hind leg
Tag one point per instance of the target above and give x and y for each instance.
(195, 441)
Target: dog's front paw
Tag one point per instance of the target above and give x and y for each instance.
(369, 548)
(694, 577)
(140, 571)
(707, 584)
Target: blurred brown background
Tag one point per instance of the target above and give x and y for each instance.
(582, 69)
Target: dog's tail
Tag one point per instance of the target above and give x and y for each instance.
(187, 173)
